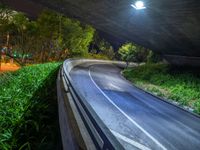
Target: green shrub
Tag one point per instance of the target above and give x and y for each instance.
(97, 56)
(168, 83)
(153, 57)
(24, 103)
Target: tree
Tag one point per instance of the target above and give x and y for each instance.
(21, 22)
(51, 37)
(127, 52)
(153, 57)
(77, 37)
(67, 36)
(48, 26)
(101, 46)
(5, 21)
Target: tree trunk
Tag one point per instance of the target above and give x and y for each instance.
(127, 63)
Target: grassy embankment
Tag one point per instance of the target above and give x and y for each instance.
(28, 108)
(182, 86)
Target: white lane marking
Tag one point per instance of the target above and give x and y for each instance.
(130, 141)
(129, 118)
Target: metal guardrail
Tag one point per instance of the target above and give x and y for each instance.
(101, 136)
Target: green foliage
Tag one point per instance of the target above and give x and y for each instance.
(132, 52)
(20, 20)
(127, 52)
(65, 34)
(25, 103)
(152, 57)
(160, 79)
(102, 47)
(51, 36)
(48, 22)
(97, 56)
(80, 39)
(5, 17)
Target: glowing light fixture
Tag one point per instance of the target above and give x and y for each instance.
(138, 5)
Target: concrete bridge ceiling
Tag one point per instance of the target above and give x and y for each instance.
(170, 27)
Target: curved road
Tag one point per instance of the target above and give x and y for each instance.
(137, 119)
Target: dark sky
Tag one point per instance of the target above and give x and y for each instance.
(30, 8)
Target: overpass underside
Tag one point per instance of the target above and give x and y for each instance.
(171, 28)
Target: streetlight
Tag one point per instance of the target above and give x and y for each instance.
(138, 5)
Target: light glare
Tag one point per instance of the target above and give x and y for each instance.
(138, 5)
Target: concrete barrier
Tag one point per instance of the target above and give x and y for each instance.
(71, 63)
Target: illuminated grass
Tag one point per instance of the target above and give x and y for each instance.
(173, 84)
(27, 97)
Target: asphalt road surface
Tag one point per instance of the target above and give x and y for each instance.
(137, 119)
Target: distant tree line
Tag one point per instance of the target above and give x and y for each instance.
(51, 36)
(131, 52)
(54, 37)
